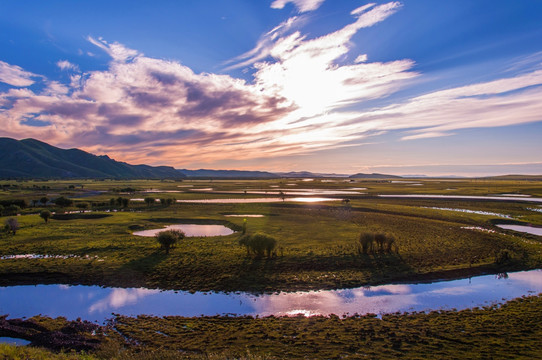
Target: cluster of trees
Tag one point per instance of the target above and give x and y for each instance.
(371, 243)
(149, 200)
(120, 201)
(258, 244)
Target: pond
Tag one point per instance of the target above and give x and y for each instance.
(96, 303)
(257, 200)
(190, 230)
(479, 212)
(522, 228)
(466, 197)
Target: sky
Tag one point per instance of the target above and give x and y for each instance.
(418, 87)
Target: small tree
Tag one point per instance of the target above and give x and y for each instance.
(12, 225)
(125, 202)
(45, 215)
(149, 200)
(63, 202)
(168, 238)
(366, 241)
(260, 244)
(82, 205)
(44, 200)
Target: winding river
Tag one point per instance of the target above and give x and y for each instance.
(97, 303)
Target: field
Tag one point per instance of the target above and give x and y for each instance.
(91, 242)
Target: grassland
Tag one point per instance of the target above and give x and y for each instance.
(317, 242)
(317, 250)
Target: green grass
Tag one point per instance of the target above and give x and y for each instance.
(317, 243)
(511, 330)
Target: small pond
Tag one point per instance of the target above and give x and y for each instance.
(96, 303)
(466, 197)
(190, 230)
(522, 228)
(245, 215)
(479, 212)
(257, 200)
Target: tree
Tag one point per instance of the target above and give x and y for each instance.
(82, 205)
(260, 244)
(63, 202)
(366, 242)
(44, 200)
(12, 225)
(125, 202)
(149, 200)
(168, 238)
(11, 210)
(45, 215)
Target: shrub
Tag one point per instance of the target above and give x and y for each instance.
(504, 256)
(63, 202)
(12, 225)
(45, 215)
(149, 200)
(259, 244)
(369, 242)
(169, 238)
(11, 210)
(82, 205)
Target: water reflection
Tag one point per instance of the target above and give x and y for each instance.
(257, 200)
(190, 230)
(466, 197)
(522, 228)
(96, 303)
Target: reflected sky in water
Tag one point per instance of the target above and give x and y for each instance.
(96, 304)
(190, 230)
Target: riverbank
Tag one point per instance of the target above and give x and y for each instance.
(511, 330)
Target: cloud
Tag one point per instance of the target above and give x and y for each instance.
(301, 5)
(15, 75)
(66, 65)
(303, 97)
(118, 52)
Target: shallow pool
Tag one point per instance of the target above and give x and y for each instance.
(190, 230)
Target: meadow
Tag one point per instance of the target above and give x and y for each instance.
(91, 242)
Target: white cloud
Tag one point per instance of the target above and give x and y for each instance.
(15, 75)
(118, 52)
(302, 5)
(361, 58)
(66, 65)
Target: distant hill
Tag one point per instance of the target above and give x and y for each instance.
(374, 176)
(30, 158)
(308, 174)
(232, 174)
(515, 177)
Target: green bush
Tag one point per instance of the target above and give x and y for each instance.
(45, 215)
(259, 244)
(168, 238)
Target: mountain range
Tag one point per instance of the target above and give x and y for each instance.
(31, 158)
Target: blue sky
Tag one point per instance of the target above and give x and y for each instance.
(345, 86)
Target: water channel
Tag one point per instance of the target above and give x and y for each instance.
(97, 303)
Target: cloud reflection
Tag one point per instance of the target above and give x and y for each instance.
(119, 298)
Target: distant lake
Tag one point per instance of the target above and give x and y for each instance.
(96, 303)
